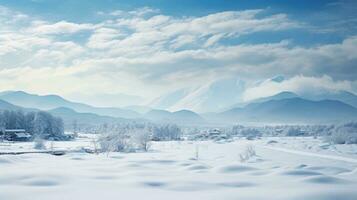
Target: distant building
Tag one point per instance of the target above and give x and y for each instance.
(15, 135)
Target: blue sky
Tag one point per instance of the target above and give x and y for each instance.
(316, 13)
(150, 48)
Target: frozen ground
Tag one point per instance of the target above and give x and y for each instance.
(284, 168)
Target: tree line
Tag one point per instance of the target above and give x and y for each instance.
(38, 124)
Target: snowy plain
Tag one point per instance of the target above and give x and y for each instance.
(283, 168)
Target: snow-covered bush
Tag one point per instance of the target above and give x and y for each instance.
(114, 141)
(344, 134)
(39, 144)
(128, 139)
(142, 139)
(247, 154)
(236, 130)
(250, 133)
(294, 131)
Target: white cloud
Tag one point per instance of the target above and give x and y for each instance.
(137, 12)
(146, 53)
(301, 85)
(12, 42)
(61, 27)
(104, 38)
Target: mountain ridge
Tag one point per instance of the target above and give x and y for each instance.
(48, 102)
(292, 110)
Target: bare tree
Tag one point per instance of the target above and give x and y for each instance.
(248, 153)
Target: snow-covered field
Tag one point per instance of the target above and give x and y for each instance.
(283, 168)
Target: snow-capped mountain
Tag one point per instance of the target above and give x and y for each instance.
(211, 97)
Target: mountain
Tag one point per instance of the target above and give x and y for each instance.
(168, 100)
(180, 117)
(4, 105)
(8, 106)
(69, 116)
(108, 99)
(85, 114)
(48, 102)
(344, 96)
(281, 95)
(211, 97)
(291, 110)
(139, 109)
(158, 115)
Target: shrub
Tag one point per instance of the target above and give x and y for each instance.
(143, 140)
(250, 133)
(39, 144)
(344, 134)
(294, 131)
(126, 140)
(112, 142)
(166, 132)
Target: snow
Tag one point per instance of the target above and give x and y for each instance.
(290, 168)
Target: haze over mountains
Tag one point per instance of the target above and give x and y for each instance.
(48, 102)
(284, 107)
(211, 97)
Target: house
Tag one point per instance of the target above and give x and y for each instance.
(16, 135)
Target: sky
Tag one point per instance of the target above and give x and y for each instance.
(121, 52)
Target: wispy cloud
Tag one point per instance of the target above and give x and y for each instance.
(302, 85)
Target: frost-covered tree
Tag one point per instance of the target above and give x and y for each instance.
(2, 126)
(166, 132)
(47, 126)
(41, 124)
(113, 141)
(125, 138)
(250, 132)
(143, 139)
(30, 122)
(344, 134)
(294, 131)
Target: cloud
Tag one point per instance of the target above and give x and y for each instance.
(61, 27)
(301, 85)
(12, 42)
(104, 38)
(137, 12)
(9, 17)
(145, 53)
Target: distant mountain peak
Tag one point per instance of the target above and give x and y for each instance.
(292, 110)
